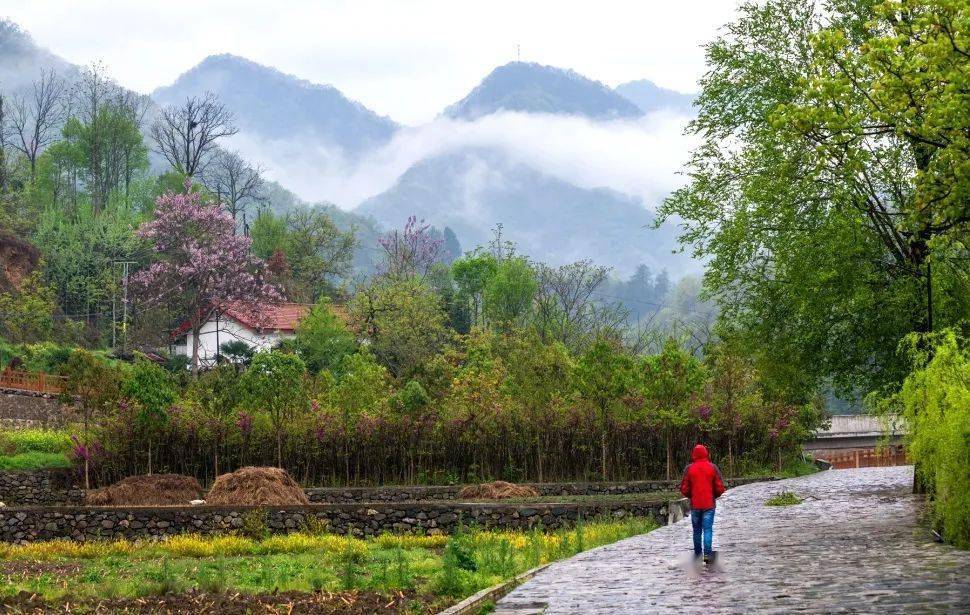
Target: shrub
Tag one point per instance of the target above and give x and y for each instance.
(34, 440)
(935, 401)
(785, 498)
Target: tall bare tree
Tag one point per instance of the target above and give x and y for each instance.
(568, 308)
(35, 119)
(236, 183)
(3, 142)
(105, 122)
(186, 134)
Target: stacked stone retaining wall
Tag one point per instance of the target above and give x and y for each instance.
(407, 493)
(20, 409)
(91, 523)
(58, 487)
(40, 488)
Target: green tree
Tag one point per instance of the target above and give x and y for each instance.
(602, 378)
(152, 389)
(322, 339)
(94, 386)
(669, 384)
(509, 293)
(268, 233)
(471, 274)
(935, 402)
(734, 394)
(362, 388)
(403, 321)
(28, 315)
(317, 253)
(538, 377)
(828, 192)
(275, 384)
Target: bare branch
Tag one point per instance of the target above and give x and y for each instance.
(186, 135)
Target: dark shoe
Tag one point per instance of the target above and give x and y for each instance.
(710, 558)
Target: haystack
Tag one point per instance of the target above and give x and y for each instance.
(256, 487)
(499, 490)
(147, 490)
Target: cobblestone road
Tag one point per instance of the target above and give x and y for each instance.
(855, 544)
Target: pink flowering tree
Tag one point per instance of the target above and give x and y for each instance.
(199, 264)
(412, 251)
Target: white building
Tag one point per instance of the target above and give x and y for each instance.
(278, 322)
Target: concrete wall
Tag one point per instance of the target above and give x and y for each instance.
(227, 330)
(92, 523)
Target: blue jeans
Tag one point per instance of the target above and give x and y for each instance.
(703, 523)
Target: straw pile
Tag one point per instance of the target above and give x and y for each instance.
(499, 490)
(256, 487)
(147, 490)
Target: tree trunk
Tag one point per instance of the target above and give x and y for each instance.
(87, 476)
(539, 460)
(149, 456)
(195, 350)
(669, 454)
(279, 448)
(603, 454)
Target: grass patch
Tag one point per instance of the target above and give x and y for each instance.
(785, 498)
(34, 461)
(34, 449)
(448, 567)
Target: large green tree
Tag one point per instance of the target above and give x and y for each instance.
(830, 191)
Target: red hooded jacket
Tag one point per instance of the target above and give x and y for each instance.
(702, 480)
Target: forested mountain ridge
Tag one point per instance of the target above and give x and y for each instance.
(534, 88)
(270, 104)
(22, 59)
(474, 190)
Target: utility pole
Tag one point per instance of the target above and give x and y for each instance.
(126, 268)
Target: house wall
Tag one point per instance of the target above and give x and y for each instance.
(215, 333)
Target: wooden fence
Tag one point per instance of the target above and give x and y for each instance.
(36, 382)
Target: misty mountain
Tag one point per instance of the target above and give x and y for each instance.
(22, 59)
(474, 190)
(271, 105)
(534, 88)
(649, 97)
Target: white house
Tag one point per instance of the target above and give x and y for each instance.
(278, 322)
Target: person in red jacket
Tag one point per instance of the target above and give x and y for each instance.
(702, 483)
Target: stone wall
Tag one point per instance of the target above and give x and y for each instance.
(25, 409)
(39, 488)
(57, 487)
(91, 523)
(341, 495)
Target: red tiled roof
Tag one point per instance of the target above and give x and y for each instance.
(282, 317)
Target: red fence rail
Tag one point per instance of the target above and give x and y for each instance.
(36, 382)
(864, 458)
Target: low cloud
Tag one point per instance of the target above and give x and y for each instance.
(636, 157)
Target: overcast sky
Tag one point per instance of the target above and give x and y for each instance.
(406, 59)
